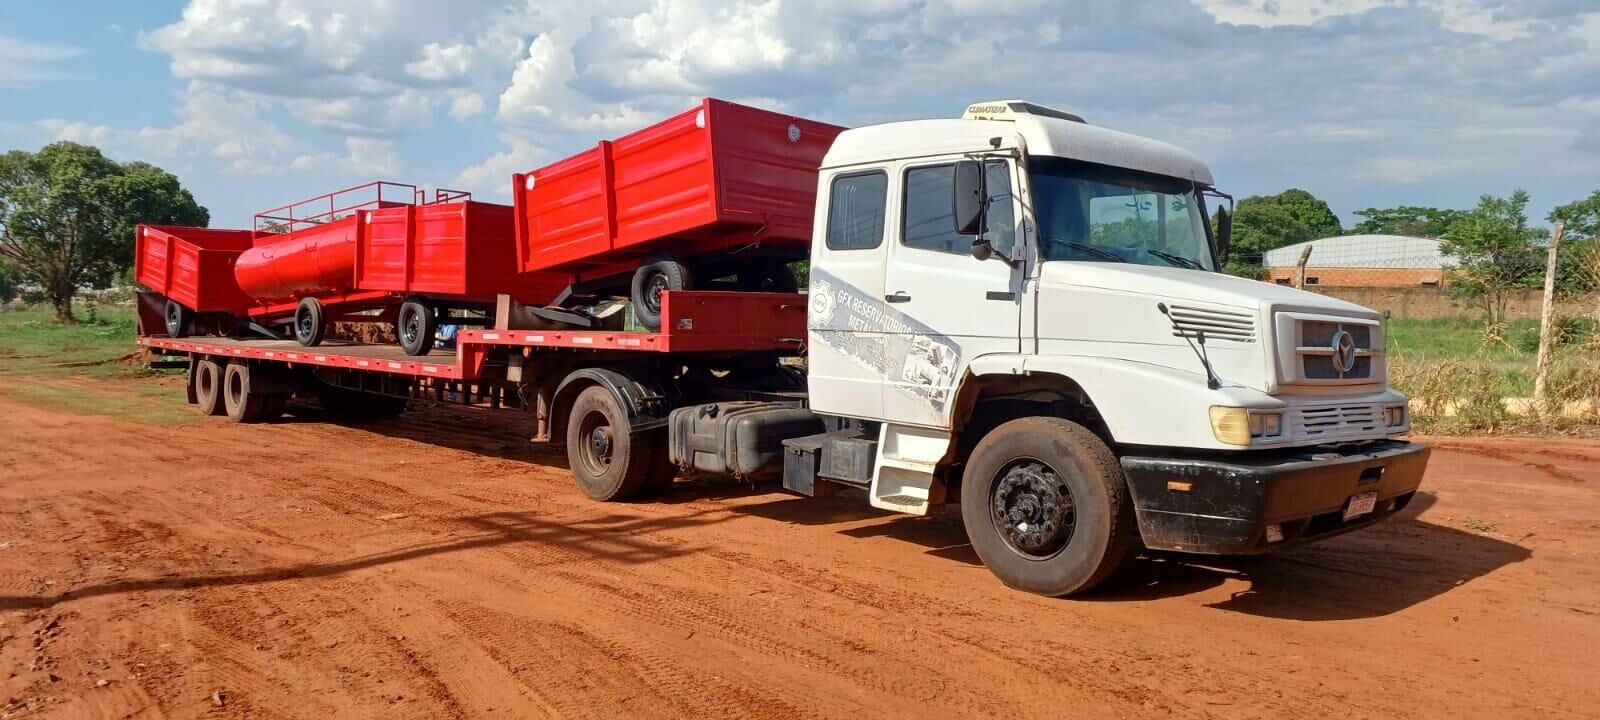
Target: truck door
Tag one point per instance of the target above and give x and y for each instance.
(945, 307)
(847, 353)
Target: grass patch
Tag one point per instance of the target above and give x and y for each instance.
(83, 368)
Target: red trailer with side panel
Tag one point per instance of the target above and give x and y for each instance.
(193, 269)
(718, 191)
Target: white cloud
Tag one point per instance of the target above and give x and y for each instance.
(213, 124)
(492, 177)
(23, 62)
(364, 157)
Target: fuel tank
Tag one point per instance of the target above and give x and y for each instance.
(317, 260)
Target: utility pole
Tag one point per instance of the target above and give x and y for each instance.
(1541, 379)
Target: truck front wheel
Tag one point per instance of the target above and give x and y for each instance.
(607, 459)
(1046, 506)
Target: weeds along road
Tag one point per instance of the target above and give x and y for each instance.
(440, 566)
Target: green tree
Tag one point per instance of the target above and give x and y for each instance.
(8, 286)
(67, 216)
(1268, 222)
(1406, 220)
(1581, 216)
(1493, 251)
(1311, 211)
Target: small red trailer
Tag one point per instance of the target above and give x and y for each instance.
(719, 190)
(193, 269)
(377, 247)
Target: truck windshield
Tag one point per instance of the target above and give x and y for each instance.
(1094, 213)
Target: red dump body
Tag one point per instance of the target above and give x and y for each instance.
(193, 266)
(717, 176)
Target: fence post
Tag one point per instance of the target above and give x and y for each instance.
(1541, 378)
(1300, 267)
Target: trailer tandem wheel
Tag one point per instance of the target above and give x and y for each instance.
(608, 460)
(243, 404)
(208, 386)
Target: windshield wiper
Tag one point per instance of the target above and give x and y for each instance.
(1177, 260)
(1092, 250)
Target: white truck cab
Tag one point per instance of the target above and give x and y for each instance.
(1029, 308)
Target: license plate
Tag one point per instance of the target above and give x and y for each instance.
(1360, 505)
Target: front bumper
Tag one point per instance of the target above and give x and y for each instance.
(1229, 503)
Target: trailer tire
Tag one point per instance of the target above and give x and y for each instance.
(607, 459)
(178, 319)
(415, 325)
(769, 276)
(308, 324)
(208, 386)
(658, 274)
(242, 404)
(1046, 506)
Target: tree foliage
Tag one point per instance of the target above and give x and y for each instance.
(1408, 220)
(68, 213)
(1493, 251)
(1582, 218)
(1268, 222)
(8, 285)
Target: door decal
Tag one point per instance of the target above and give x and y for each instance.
(912, 357)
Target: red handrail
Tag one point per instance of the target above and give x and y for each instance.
(288, 218)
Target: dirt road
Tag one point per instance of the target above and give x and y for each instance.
(439, 566)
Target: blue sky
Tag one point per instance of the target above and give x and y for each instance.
(254, 103)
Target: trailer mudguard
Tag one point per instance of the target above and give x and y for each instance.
(640, 393)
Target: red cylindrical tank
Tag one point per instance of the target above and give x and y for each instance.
(314, 261)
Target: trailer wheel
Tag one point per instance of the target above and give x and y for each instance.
(657, 275)
(208, 386)
(308, 324)
(1046, 506)
(416, 325)
(770, 276)
(608, 461)
(243, 404)
(178, 319)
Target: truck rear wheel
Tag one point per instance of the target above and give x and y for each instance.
(178, 318)
(1046, 506)
(308, 324)
(243, 404)
(657, 275)
(607, 459)
(416, 325)
(208, 386)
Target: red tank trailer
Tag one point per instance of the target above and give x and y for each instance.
(718, 197)
(338, 257)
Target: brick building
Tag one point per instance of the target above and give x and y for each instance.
(1361, 261)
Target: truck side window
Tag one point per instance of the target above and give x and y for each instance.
(930, 210)
(855, 211)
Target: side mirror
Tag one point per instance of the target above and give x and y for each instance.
(970, 197)
(1224, 234)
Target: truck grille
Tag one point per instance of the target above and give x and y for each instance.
(1335, 422)
(1318, 348)
(1233, 325)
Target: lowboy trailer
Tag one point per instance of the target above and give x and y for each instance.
(1013, 310)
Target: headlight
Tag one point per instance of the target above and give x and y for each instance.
(1396, 416)
(1239, 426)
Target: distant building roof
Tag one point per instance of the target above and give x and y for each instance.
(1362, 251)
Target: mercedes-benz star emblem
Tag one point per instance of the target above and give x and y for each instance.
(1344, 351)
